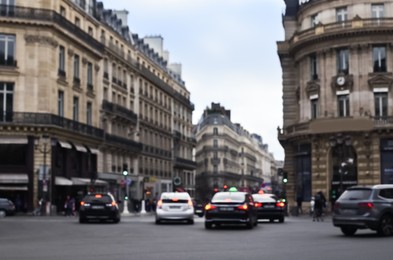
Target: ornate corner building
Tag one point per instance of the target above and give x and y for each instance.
(82, 99)
(228, 155)
(337, 69)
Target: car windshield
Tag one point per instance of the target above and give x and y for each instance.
(98, 198)
(228, 197)
(356, 194)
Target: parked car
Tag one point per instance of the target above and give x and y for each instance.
(7, 207)
(365, 207)
(269, 207)
(175, 206)
(99, 206)
(231, 207)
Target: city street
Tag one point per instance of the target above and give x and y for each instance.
(138, 237)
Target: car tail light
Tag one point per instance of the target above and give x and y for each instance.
(336, 206)
(190, 203)
(366, 205)
(113, 204)
(258, 204)
(84, 204)
(159, 204)
(280, 204)
(243, 207)
(209, 207)
(98, 196)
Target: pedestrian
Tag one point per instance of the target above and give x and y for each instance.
(69, 206)
(299, 201)
(319, 205)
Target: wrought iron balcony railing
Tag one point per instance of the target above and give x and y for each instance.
(46, 15)
(119, 110)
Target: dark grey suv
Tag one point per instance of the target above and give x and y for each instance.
(362, 207)
(7, 207)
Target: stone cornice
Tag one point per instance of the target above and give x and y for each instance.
(43, 40)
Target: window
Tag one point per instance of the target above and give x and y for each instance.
(7, 7)
(7, 50)
(342, 61)
(76, 67)
(314, 21)
(89, 113)
(381, 104)
(61, 61)
(77, 22)
(313, 66)
(341, 14)
(377, 11)
(75, 109)
(62, 11)
(90, 76)
(60, 103)
(6, 101)
(379, 59)
(343, 105)
(215, 143)
(314, 108)
(90, 31)
(215, 130)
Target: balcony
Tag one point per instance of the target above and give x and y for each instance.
(357, 26)
(184, 164)
(119, 111)
(49, 16)
(8, 62)
(128, 144)
(49, 120)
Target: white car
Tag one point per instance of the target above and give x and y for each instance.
(175, 206)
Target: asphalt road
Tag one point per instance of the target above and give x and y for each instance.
(58, 238)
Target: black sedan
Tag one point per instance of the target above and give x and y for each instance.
(269, 207)
(231, 208)
(99, 206)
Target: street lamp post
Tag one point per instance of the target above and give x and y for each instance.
(45, 149)
(125, 174)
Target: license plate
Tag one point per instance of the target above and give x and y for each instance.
(348, 211)
(174, 207)
(268, 206)
(97, 207)
(226, 209)
(198, 211)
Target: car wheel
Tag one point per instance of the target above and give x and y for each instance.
(190, 221)
(386, 226)
(158, 221)
(208, 225)
(2, 213)
(116, 220)
(250, 224)
(82, 220)
(271, 220)
(348, 231)
(281, 220)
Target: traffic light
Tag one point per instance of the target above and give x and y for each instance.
(284, 177)
(125, 169)
(334, 194)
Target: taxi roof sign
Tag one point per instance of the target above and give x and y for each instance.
(232, 189)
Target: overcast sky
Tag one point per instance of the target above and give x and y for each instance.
(228, 53)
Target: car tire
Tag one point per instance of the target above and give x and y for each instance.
(116, 220)
(250, 224)
(348, 231)
(82, 220)
(208, 225)
(281, 220)
(190, 221)
(158, 221)
(2, 213)
(385, 226)
(271, 220)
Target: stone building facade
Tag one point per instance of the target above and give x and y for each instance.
(83, 99)
(228, 155)
(337, 83)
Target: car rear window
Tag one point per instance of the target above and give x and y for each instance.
(175, 197)
(264, 197)
(98, 198)
(356, 194)
(228, 197)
